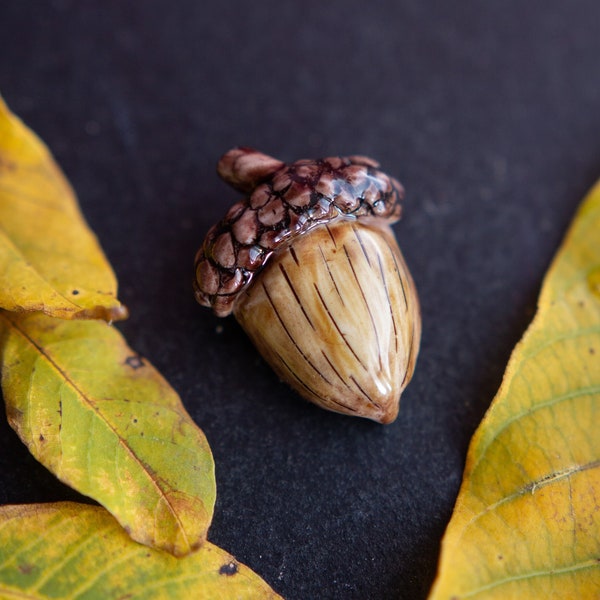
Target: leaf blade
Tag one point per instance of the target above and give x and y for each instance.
(81, 552)
(50, 260)
(106, 423)
(526, 522)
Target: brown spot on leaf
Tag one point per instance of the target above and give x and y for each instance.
(135, 362)
(228, 569)
(7, 165)
(26, 568)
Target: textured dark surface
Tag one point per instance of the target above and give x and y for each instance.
(487, 112)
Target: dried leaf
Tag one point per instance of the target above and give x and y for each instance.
(67, 550)
(527, 520)
(50, 261)
(106, 423)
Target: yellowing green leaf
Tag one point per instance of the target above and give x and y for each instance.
(527, 520)
(50, 261)
(106, 423)
(73, 551)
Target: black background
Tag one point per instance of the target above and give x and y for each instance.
(488, 112)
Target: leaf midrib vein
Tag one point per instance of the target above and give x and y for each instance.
(572, 395)
(557, 338)
(548, 479)
(588, 564)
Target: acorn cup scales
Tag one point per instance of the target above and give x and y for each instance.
(311, 269)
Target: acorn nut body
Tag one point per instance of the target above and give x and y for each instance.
(311, 269)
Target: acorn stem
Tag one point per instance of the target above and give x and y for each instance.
(244, 168)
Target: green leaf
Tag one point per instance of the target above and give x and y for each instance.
(77, 552)
(50, 260)
(106, 423)
(527, 519)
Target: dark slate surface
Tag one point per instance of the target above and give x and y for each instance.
(488, 112)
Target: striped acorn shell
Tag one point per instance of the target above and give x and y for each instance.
(336, 315)
(312, 271)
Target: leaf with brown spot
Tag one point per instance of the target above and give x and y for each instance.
(50, 260)
(106, 423)
(68, 551)
(527, 519)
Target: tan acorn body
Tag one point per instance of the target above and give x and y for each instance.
(336, 316)
(330, 303)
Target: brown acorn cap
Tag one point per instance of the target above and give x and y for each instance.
(283, 202)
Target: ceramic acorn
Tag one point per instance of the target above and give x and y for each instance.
(310, 267)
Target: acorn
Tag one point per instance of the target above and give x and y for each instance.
(311, 269)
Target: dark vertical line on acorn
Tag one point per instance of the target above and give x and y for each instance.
(387, 294)
(309, 389)
(409, 355)
(293, 290)
(397, 268)
(293, 253)
(335, 370)
(364, 393)
(291, 337)
(362, 293)
(361, 244)
(332, 277)
(338, 328)
(331, 235)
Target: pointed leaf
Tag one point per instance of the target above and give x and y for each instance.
(527, 520)
(67, 550)
(49, 259)
(105, 422)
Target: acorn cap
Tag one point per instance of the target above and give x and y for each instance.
(284, 202)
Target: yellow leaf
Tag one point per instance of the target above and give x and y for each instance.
(527, 520)
(50, 261)
(105, 422)
(67, 550)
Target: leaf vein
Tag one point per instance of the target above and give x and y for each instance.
(548, 479)
(573, 395)
(588, 564)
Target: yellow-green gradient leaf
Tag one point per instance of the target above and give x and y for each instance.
(50, 260)
(105, 422)
(527, 519)
(77, 552)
